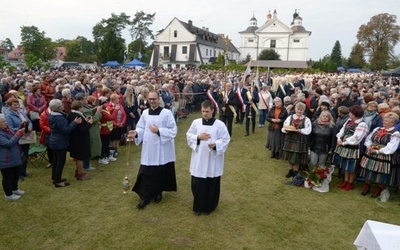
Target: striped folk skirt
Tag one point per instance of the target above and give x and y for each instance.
(295, 148)
(346, 158)
(378, 168)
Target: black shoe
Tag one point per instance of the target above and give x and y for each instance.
(21, 178)
(247, 134)
(141, 204)
(26, 175)
(276, 155)
(197, 213)
(272, 155)
(158, 198)
(58, 185)
(289, 174)
(62, 180)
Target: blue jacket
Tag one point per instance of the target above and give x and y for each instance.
(14, 121)
(59, 130)
(10, 152)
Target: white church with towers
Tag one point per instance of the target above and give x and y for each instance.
(290, 42)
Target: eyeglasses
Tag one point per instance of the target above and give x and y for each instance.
(152, 99)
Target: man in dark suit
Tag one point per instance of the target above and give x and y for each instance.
(241, 96)
(227, 106)
(283, 90)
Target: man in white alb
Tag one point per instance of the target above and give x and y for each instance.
(208, 138)
(156, 129)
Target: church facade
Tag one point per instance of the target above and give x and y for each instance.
(183, 44)
(290, 42)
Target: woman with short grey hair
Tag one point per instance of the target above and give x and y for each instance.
(59, 139)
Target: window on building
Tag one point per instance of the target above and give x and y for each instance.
(206, 52)
(251, 40)
(273, 44)
(166, 51)
(296, 40)
(184, 50)
(175, 33)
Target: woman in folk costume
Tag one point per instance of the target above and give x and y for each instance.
(347, 151)
(295, 149)
(376, 164)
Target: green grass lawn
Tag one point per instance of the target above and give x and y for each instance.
(256, 211)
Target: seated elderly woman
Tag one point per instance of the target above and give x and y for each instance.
(59, 139)
(10, 159)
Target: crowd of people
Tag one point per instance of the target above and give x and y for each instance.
(312, 119)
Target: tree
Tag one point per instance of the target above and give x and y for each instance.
(7, 44)
(336, 55)
(111, 48)
(356, 58)
(378, 38)
(269, 54)
(116, 23)
(73, 51)
(36, 44)
(3, 63)
(140, 26)
(134, 48)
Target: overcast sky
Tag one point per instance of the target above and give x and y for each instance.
(328, 20)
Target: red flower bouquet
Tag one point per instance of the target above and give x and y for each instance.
(316, 176)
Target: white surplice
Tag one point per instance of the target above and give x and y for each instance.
(206, 162)
(156, 149)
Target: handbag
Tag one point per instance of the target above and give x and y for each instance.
(34, 115)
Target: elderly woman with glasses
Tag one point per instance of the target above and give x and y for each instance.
(376, 164)
(16, 119)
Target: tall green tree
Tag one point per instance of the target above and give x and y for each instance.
(356, 58)
(6, 43)
(36, 44)
(116, 23)
(73, 51)
(378, 38)
(111, 48)
(336, 55)
(134, 48)
(140, 29)
(269, 54)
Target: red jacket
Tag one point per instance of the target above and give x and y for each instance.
(111, 109)
(31, 104)
(106, 121)
(44, 126)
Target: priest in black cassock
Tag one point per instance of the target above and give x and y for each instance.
(156, 129)
(208, 138)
